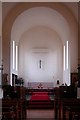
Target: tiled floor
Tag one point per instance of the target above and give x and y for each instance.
(36, 113)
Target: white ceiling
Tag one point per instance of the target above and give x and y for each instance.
(73, 6)
(37, 17)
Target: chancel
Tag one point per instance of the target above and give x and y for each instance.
(34, 47)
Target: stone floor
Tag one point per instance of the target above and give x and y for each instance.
(36, 113)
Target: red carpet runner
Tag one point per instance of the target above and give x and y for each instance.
(40, 96)
(40, 100)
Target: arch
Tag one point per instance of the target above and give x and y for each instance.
(17, 10)
(43, 43)
(37, 16)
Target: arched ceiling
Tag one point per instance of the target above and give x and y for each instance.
(15, 11)
(7, 6)
(39, 38)
(9, 18)
(40, 16)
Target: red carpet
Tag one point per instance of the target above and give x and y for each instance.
(40, 97)
(40, 100)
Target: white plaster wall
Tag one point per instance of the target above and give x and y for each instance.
(0, 18)
(0, 38)
(39, 16)
(40, 43)
(42, 16)
(0, 59)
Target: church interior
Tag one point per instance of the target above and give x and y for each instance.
(40, 60)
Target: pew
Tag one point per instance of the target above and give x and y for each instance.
(10, 109)
(66, 104)
(14, 103)
(68, 108)
(13, 109)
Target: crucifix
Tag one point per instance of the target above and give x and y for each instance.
(40, 63)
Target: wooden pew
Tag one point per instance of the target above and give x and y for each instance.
(14, 109)
(69, 107)
(10, 109)
(63, 96)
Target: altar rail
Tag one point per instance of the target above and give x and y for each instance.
(44, 85)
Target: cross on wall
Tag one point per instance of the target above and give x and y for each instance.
(40, 64)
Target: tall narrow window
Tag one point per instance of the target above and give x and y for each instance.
(67, 49)
(64, 58)
(13, 45)
(16, 57)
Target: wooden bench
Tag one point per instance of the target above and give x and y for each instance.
(63, 101)
(69, 107)
(66, 108)
(10, 109)
(13, 109)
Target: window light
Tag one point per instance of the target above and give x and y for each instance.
(13, 45)
(67, 48)
(16, 57)
(64, 58)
